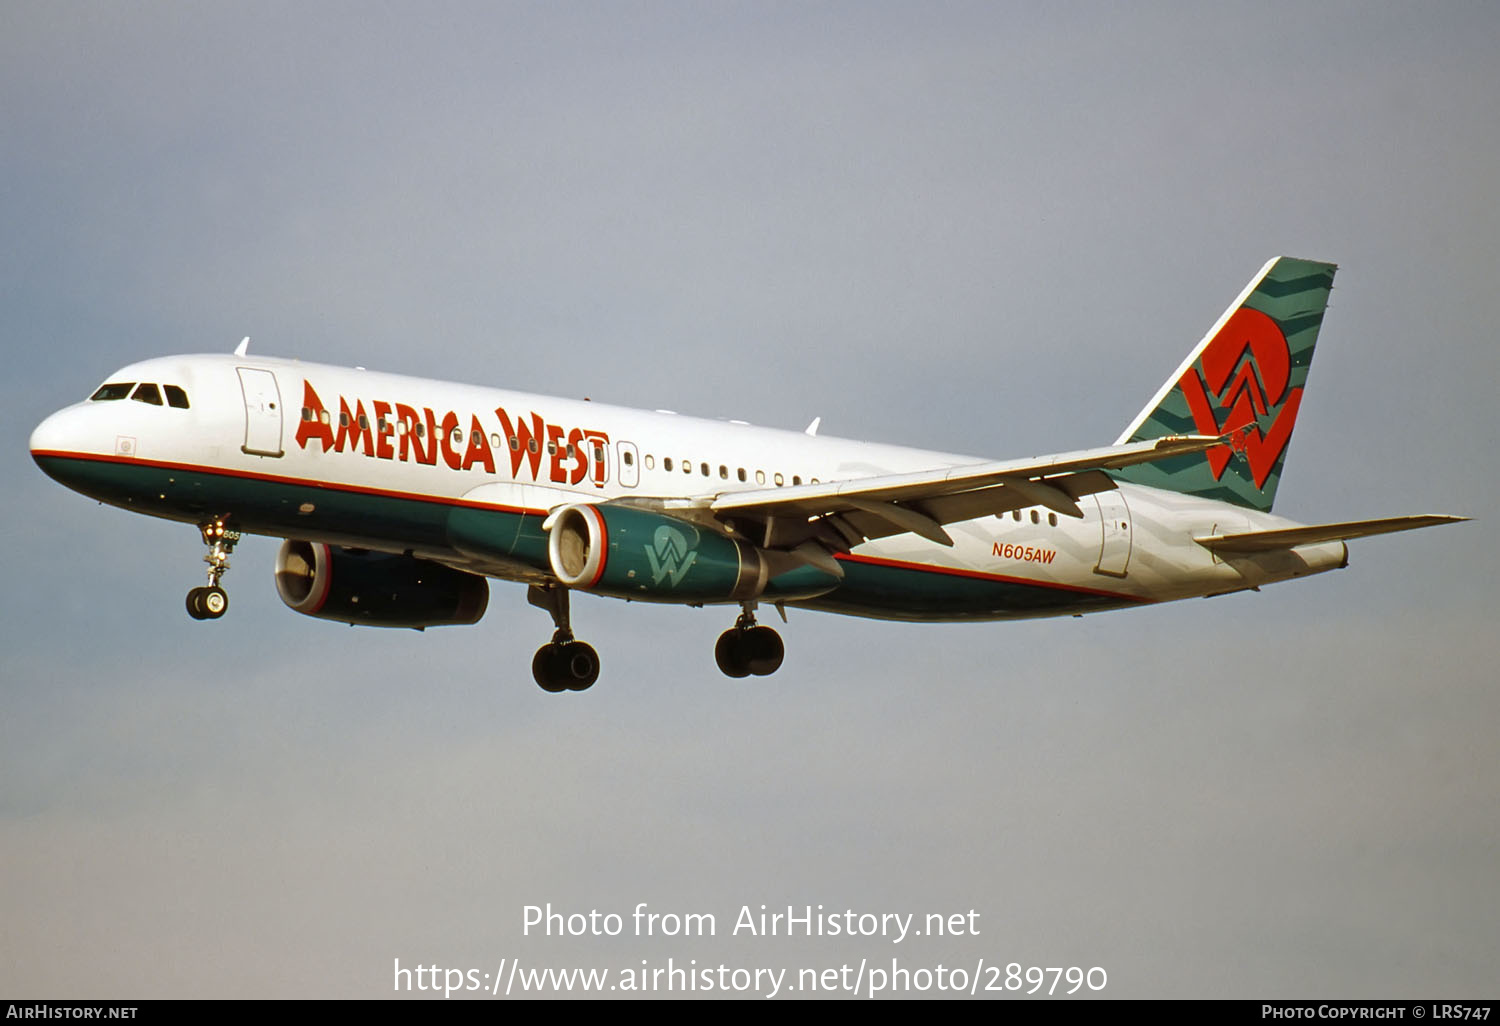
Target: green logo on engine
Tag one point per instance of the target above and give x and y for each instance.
(670, 555)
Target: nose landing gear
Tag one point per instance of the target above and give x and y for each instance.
(212, 602)
(747, 648)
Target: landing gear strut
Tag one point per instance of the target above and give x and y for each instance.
(563, 664)
(747, 648)
(212, 602)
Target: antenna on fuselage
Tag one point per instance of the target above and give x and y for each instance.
(812, 429)
(243, 347)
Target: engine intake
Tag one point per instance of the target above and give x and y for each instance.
(376, 589)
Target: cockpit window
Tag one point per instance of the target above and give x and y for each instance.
(147, 393)
(176, 397)
(117, 390)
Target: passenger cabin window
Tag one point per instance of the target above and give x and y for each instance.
(147, 393)
(118, 390)
(176, 397)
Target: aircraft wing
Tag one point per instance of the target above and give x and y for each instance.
(1286, 538)
(844, 513)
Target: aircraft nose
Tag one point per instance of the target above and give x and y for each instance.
(57, 441)
(52, 434)
(63, 446)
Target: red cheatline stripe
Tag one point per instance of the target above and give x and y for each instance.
(303, 482)
(929, 568)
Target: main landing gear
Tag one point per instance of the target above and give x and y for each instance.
(747, 648)
(566, 664)
(212, 602)
(563, 664)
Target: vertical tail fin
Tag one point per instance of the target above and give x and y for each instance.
(1246, 378)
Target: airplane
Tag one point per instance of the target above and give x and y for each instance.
(398, 497)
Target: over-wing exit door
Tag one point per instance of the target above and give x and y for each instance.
(627, 468)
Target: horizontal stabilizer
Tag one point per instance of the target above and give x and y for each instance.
(1286, 538)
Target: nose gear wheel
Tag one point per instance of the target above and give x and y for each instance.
(207, 603)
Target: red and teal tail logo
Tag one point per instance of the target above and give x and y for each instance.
(1245, 379)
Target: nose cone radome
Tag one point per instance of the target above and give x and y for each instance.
(47, 437)
(55, 439)
(51, 435)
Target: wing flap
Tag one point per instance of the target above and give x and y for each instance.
(1290, 537)
(903, 518)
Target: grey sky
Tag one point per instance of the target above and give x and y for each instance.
(988, 228)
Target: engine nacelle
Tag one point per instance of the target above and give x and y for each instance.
(640, 554)
(376, 589)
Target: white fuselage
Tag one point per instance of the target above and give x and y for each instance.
(378, 461)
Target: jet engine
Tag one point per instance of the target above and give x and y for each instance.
(636, 553)
(376, 589)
